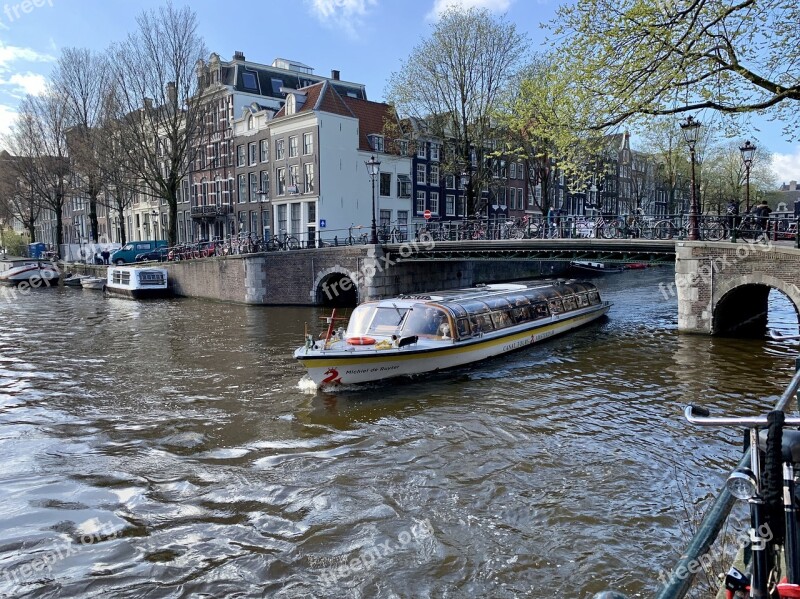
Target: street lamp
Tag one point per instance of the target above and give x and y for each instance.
(154, 219)
(691, 132)
(748, 150)
(373, 168)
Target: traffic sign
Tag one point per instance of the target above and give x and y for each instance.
(427, 215)
(323, 223)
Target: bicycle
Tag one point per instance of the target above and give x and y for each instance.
(769, 488)
(361, 239)
(287, 243)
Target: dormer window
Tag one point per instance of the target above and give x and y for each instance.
(291, 104)
(249, 81)
(376, 142)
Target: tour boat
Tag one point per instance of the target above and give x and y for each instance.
(415, 334)
(137, 283)
(36, 273)
(594, 267)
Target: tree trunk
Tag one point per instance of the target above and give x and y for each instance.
(121, 212)
(93, 216)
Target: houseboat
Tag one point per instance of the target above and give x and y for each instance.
(137, 283)
(415, 334)
(36, 273)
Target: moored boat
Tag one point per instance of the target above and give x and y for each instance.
(74, 280)
(415, 334)
(137, 283)
(96, 283)
(594, 267)
(33, 272)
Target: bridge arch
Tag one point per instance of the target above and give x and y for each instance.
(335, 286)
(740, 304)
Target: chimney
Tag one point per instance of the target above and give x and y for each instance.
(335, 75)
(148, 103)
(238, 55)
(172, 94)
(792, 185)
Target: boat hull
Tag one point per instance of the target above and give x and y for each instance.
(331, 368)
(157, 293)
(31, 274)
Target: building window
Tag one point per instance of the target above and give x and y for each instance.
(434, 151)
(278, 149)
(513, 194)
(240, 155)
(242, 189)
(254, 187)
(308, 177)
(434, 178)
(264, 185)
(294, 177)
(403, 186)
(434, 202)
(293, 146)
(308, 144)
(402, 147)
(402, 218)
(282, 218)
(420, 205)
(386, 184)
(296, 218)
(385, 218)
(264, 150)
(450, 182)
(421, 150)
(376, 142)
(420, 174)
(253, 152)
(450, 204)
(280, 181)
(513, 174)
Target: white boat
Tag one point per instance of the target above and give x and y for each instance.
(33, 272)
(74, 280)
(595, 267)
(415, 334)
(93, 283)
(137, 283)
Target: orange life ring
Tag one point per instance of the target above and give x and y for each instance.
(361, 341)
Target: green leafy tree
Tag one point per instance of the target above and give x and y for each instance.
(651, 57)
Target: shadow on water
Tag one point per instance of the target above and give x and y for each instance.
(176, 439)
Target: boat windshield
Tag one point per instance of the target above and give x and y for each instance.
(427, 321)
(371, 319)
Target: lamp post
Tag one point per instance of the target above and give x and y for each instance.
(373, 168)
(691, 132)
(154, 219)
(748, 150)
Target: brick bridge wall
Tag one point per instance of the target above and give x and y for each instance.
(293, 278)
(723, 287)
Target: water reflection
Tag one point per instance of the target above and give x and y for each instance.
(179, 431)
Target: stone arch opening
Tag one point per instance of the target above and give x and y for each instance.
(743, 311)
(336, 289)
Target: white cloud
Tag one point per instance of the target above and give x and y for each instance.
(26, 83)
(439, 6)
(7, 116)
(12, 54)
(346, 15)
(787, 166)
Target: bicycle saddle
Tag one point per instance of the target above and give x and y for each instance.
(790, 446)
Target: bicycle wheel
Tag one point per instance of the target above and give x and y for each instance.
(292, 243)
(272, 245)
(664, 229)
(648, 232)
(610, 231)
(712, 231)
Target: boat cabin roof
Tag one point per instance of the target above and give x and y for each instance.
(486, 298)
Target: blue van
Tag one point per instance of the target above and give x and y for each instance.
(128, 252)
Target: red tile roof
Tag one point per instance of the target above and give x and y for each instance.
(371, 117)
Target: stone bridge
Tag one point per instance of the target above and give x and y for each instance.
(722, 288)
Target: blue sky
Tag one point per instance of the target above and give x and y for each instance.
(364, 39)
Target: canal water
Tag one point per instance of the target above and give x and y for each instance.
(170, 449)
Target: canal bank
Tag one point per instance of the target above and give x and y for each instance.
(324, 275)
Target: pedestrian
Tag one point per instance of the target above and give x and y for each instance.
(105, 254)
(732, 210)
(762, 213)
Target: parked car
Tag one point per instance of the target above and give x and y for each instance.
(157, 255)
(127, 253)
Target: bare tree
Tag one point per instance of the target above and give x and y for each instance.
(155, 98)
(452, 81)
(81, 78)
(21, 202)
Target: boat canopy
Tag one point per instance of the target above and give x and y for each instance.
(465, 313)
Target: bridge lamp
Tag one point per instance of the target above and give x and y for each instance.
(691, 132)
(748, 150)
(373, 168)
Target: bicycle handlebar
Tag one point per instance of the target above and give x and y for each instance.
(701, 417)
